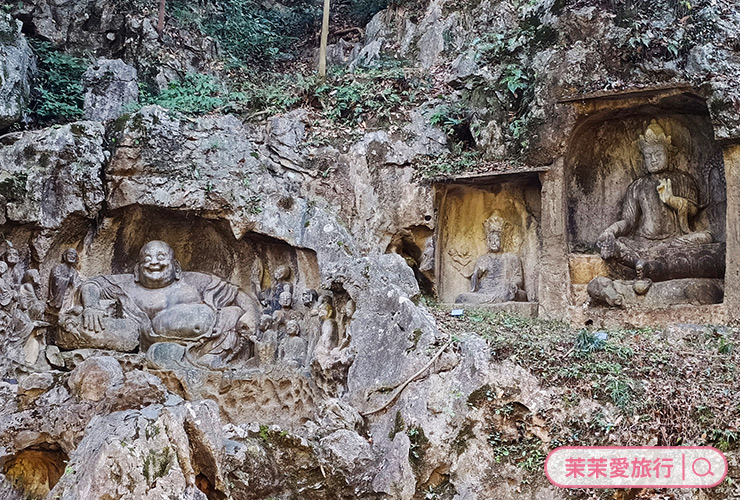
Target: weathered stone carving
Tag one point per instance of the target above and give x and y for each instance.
(200, 317)
(622, 293)
(332, 355)
(29, 295)
(329, 337)
(293, 348)
(426, 263)
(654, 235)
(14, 273)
(32, 308)
(270, 298)
(21, 310)
(285, 313)
(497, 277)
(309, 298)
(63, 279)
(7, 293)
(265, 342)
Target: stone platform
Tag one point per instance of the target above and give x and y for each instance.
(524, 309)
(635, 317)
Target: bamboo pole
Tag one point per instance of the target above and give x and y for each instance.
(324, 40)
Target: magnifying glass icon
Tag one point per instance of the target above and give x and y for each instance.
(709, 467)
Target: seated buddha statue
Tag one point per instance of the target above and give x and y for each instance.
(497, 276)
(207, 316)
(655, 235)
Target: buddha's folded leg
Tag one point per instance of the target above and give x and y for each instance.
(224, 344)
(627, 251)
(676, 259)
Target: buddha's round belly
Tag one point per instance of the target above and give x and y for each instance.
(184, 321)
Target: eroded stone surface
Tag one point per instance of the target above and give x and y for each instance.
(16, 64)
(353, 391)
(111, 87)
(52, 174)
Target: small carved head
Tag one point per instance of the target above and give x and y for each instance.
(309, 297)
(3, 267)
(495, 228)
(12, 257)
(157, 266)
(285, 299)
(326, 298)
(70, 257)
(292, 328)
(350, 308)
(282, 273)
(654, 145)
(265, 322)
(326, 310)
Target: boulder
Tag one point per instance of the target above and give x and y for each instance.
(51, 174)
(111, 87)
(16, 66)
(95, 377)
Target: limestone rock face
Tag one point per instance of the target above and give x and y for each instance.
(51, 174)
(120, 30)
(95, 376)
(110, 86)
(16, 64)
(153, 454)
(390, 405)
(61, 22)
(572, 50)
(212, 168)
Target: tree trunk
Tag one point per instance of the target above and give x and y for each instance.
(324, 40)
(160, 22)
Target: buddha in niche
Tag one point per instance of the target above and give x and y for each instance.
(497, 276)
(654, 235)
(159, 303)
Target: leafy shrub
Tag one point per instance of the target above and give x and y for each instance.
(250, 32)
(57, 93)
(273, 94)
(196, 93)
(344, 97)
(448, 164)
(377, 93)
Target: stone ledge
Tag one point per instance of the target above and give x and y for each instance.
(525, 309)
(633, 317)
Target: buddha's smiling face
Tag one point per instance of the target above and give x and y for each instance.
(156, 265)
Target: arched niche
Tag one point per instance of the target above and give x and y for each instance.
(200, 244)
(461, 240)
(604, 159)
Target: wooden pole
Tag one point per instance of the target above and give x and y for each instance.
(160, 21)
(324, 40)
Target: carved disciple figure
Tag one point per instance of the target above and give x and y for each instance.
(293, 348)
(497, 277)
(14, 274)
(329, 337)
(271, 297)
(191, 315)
(654, 234)
(63, 279)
